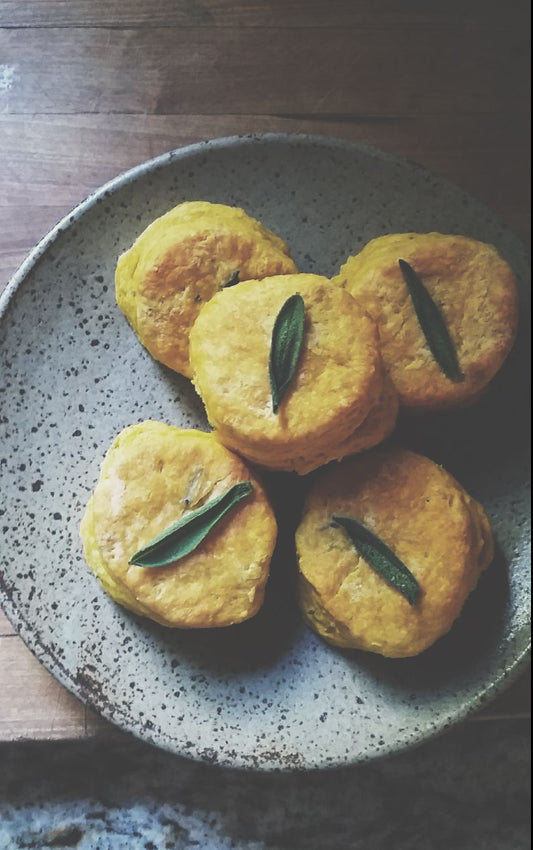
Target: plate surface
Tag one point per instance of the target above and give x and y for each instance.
(267, 694)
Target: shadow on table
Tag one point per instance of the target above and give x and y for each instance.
(467, 789)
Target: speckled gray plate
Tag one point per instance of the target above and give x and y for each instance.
(267, 694)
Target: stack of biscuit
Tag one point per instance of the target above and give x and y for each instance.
(340, 400)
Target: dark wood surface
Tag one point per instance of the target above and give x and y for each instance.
(89, 88)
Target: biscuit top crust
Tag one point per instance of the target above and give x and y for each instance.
(153, 474)
(418, 509)
(476, 292)
(337, 381)
(180, 261)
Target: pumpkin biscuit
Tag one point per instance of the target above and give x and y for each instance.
(441, 534)
(180, 261)
(339, 378)
(473, 287)
(375, 428)
(152, 475)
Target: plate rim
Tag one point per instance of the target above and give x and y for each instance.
(425, 731)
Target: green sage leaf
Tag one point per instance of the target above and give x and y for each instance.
(382, 559)
(183, 536)
(233, 280)
(432, 323)
(285, 348)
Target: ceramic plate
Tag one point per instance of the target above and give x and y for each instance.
(267, 694)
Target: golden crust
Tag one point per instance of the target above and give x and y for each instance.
(152, 474)
(476, 292)
(440, 533)
(339, 379)
(378, 425)
(375, 428)
(180, 261)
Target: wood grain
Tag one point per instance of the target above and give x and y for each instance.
(324, 72)
(300, 14)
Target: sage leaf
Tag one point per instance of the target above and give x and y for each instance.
(233, 280)
(183, 536)
(382, 559)
(285, 348)
(432, 323)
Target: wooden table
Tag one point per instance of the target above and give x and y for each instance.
(89, 88)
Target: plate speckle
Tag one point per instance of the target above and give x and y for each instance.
(267, 694)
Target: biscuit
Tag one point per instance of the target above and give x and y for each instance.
(473, 287)
(339, 380)
(375, 428)
(419, 511)
(152, 475)
(180, 261)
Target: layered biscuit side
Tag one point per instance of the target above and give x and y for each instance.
(338, 383)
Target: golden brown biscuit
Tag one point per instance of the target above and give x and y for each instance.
(153, 475)
(339, 380)
(375, 428)
(428, 520)
(476, 292)
(180, 261)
